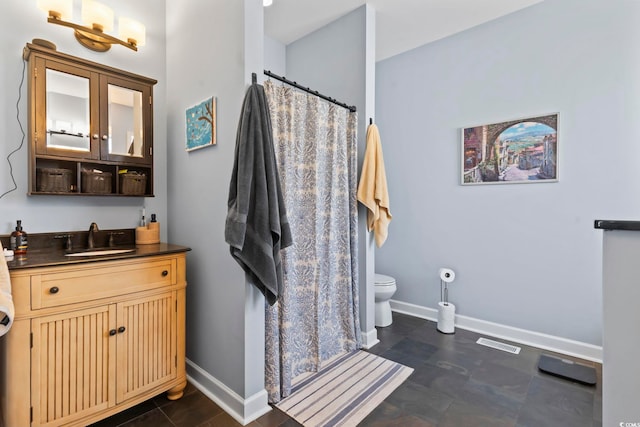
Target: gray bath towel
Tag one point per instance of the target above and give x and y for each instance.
(256, 226)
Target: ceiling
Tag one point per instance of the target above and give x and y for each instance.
(401, 25)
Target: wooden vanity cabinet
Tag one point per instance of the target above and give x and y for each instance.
(88, 125)
(90, 340)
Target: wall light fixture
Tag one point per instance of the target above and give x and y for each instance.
(97, 18)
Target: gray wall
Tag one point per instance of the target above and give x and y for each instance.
(20, 22)
(225, 317)
(337, 61)
(275, 56)
(526, 256)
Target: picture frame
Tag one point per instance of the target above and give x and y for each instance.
(201, 124)
(518, 151)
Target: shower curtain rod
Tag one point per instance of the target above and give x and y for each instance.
(351, 108)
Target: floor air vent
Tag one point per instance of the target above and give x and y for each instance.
(499, 345)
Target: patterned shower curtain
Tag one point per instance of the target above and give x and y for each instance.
(316, 316)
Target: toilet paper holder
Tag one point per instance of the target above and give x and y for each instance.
(447, 276)
(446, 311)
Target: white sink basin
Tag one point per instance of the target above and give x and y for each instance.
(101, 252)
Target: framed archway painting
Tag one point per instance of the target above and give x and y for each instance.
(201, 124)
(511, 152)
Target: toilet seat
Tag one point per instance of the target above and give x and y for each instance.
(384, 280)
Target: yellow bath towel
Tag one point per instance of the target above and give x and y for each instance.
(372, 189)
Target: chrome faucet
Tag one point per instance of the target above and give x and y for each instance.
(92, 229)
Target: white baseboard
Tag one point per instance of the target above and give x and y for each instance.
(369, 339)
(242, 410)
(535, 339)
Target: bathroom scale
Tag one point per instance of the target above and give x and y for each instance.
(567, 369)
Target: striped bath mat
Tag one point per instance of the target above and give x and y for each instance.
(344, 392)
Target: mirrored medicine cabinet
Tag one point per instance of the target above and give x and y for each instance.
(90, 127)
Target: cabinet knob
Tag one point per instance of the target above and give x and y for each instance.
(164, 273)
(54, 290)
(112, 332)
(95, 136)
(105, 137)
(121, 329)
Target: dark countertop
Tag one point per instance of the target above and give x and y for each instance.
(607, 224)
(56, 257)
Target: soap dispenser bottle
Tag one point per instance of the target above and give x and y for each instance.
(18, 240)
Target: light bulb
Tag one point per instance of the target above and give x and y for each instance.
(95, 14)
(63, 8)
(131, 30)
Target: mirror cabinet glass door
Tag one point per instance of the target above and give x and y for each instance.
(125, 121)
(68, 116)
(126, 130)
(63, 111)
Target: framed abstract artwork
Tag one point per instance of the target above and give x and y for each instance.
(201, 124)
(515, 151)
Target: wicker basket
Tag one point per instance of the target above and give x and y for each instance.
(132, 183)
(51, 180)
(96, 182)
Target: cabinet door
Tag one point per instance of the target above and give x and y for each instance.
(72, 365)
(65, 110)
(146, 344)
(125, 121)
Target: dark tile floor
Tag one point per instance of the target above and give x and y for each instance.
(455, 382)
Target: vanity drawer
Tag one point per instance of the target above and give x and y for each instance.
(77, 285)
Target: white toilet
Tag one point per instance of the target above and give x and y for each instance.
(385, 287)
